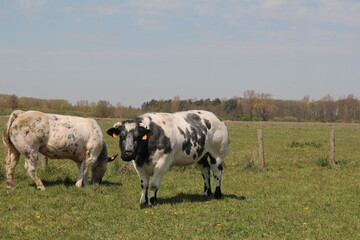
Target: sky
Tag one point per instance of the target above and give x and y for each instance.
(132, 51)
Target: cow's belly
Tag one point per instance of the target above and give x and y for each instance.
(57, 153)
(62, 149)
(183, 159)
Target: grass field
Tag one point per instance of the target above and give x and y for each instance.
(296, 197)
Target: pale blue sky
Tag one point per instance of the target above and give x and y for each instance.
(130, 52)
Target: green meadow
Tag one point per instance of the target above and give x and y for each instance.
(297, 196)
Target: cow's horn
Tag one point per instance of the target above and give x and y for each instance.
(143, 125)
(117, 125)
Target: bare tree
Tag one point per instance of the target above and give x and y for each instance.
(250, 96)
(175, 104)
(13, 102)
(264, 106)
(103, 108)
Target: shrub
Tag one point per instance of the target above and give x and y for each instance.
(249, 162)
(323, 161)
(296, 144)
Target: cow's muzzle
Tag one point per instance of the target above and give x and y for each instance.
(127, 156)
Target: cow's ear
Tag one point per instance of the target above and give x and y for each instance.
(112, 158)
(114, 132)
(144, 131)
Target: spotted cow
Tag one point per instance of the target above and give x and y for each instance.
(54, 136)
(157, 141)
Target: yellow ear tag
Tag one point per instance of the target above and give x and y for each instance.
(144, 137)
(115, 136)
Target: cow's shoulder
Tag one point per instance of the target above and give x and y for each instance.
(158, 137)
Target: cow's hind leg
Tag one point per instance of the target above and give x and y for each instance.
(30, 166)
(216, 167)
(12, 160)
(204, 166)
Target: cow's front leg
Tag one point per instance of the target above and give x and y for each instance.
(84, 167)
(144, 181)
(159, 171)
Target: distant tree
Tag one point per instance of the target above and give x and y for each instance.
(264, 106)
(232, 109)
(250, 97)
(216, 102)
(329, 108)
(103, 109)
(175, 104)
(13, 102)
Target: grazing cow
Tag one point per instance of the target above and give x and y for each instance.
(55, 136)
(156, 141)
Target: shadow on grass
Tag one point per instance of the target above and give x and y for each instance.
(183, 197)
(71, 183)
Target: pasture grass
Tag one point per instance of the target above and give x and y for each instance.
(295, 197)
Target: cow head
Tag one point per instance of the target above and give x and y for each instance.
(131, 134)
(100, 166)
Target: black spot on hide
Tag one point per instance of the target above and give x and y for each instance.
(212, 160)
(204, 162)
(195, 137)
(156, 140)
(207, 123)
(220, 167)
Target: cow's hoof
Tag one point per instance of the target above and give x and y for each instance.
(78, 184)
(10, 187)
(153, 201)
(145, 205)
(217, 194)
(208, 192)
(42, 188)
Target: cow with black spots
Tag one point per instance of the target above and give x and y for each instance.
(157, 141)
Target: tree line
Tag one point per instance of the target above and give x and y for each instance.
(251, 106)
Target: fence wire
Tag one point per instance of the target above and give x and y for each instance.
(296, 143)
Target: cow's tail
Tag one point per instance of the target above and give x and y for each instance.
(6, 135)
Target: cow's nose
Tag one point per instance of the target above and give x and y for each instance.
(127, 156)
(128, 153)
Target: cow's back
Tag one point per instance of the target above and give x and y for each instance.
(55, 136)
(191, 133)
(70, 137)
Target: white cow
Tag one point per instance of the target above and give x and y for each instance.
(55, 136)
(156, 141)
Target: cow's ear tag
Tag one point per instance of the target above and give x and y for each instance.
(110, 159)
(115, 136)
(144, 137)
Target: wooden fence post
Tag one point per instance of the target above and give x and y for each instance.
(332, 159)
(261, 149)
